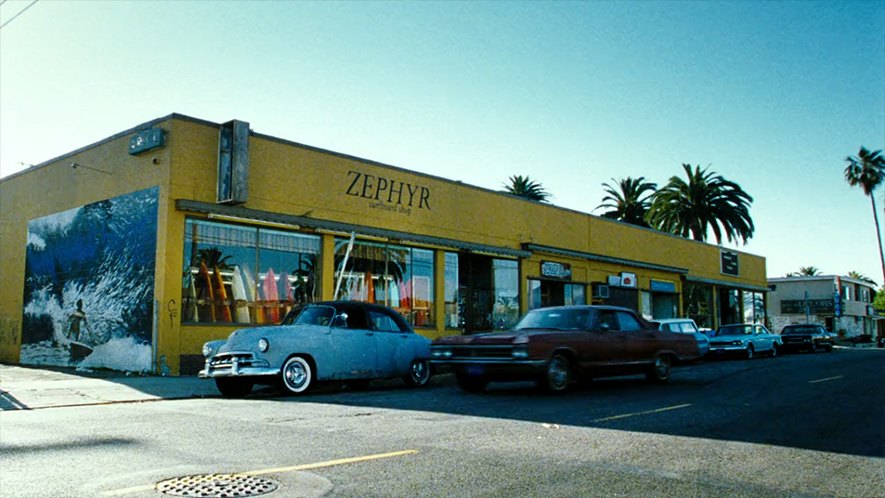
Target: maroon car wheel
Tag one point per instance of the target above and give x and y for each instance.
(660, 369)
(559, 375)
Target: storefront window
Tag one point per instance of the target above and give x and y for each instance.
(550, 293)
(754, 307)
(505, 312)
(699, 303)
(535, 294)
(240, 274)
(575, 294)
(453, 316)
(395, 276)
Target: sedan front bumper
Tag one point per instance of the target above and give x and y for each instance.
(728, 349)
(492, 368)
(236, 364)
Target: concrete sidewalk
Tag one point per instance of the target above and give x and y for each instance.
(31, 388)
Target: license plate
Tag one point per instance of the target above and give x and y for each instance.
(475, 370)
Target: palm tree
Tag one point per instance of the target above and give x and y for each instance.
(805, 271)
(856, 275)
(809, 271)
(868, 171)
(707, 201)
(522, 186)
(629, 201)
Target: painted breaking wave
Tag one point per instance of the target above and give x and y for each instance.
(102, 255)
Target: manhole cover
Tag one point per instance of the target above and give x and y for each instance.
(217, 486)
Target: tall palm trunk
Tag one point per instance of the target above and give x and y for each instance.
(878, 236)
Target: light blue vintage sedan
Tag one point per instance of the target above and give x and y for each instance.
(337, 340)
(745, 339)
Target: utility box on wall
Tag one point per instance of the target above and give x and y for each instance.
(233, 163)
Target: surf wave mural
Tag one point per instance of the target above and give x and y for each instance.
(89, 285)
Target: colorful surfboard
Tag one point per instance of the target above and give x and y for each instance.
(284, 289)
(238, 289)
(253, 296)
(210, 293)
(270, 295)
(192, 288)
(221, 301)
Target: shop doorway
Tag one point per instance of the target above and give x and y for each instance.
(488, 293)
(544, 293)
(624, 297)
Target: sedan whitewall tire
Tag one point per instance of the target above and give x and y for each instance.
(297, 375)
(419, 373)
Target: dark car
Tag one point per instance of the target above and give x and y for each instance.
(806, 337)
(559, 345)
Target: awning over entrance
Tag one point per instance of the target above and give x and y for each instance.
(724, 283)
(603, 259)
(246, 215)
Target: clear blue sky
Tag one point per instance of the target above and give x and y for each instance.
(772, 95)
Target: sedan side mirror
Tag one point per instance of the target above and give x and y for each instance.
(340, 320)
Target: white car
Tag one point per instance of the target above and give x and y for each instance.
(745, 339)
(687, 326)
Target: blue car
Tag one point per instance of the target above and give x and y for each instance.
(745, 339)
(686, 326)
(335, 340)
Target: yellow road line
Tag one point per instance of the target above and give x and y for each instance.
(330, 463)
(649, 412)
(824, 380)
(294, 468)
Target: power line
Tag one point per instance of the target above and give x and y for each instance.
(19, 13)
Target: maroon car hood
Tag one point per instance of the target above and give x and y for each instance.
(490, 338)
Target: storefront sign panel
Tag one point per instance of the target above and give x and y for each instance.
(815, 306)
(559, 271)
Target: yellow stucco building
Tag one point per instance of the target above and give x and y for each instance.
(179, 230)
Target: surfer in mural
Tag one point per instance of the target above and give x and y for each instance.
(77, 321)
(78, 349)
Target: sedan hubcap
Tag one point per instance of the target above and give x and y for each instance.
(558, 373)
(295, 375)
(419, 371)
(663, 366)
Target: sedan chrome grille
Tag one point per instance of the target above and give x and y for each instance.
(230, 360)
(482, 352)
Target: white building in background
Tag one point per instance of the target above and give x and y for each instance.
(842, 305)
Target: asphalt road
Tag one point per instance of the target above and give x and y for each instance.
(797, 425)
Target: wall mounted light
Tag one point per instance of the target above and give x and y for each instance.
(78, 165)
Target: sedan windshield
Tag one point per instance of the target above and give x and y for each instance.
(555, 318)
(315, 315)
(800, 330)
(735, 330)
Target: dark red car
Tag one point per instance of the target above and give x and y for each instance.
(559, 345)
